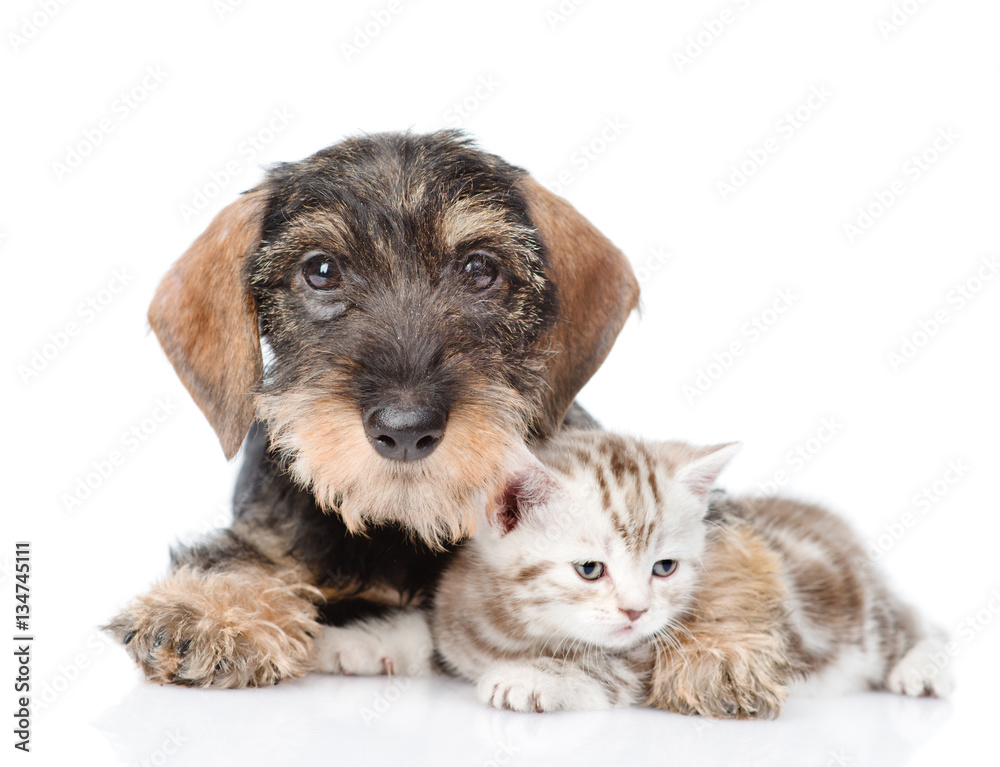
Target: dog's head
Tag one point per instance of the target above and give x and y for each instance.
(427, 307)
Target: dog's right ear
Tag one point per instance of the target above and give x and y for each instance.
(206, 320)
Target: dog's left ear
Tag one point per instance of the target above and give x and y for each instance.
(596, 287)
(206, 320)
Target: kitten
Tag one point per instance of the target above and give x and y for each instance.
(594, 559)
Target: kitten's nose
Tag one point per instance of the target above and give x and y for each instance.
(633, 615)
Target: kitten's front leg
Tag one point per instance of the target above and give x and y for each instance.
(730, 659)
(398, 644)
(544, 685)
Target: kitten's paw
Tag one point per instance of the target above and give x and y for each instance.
(739, 681)
(923, 672)
(531, 689)
(730, 660)
(396, 646)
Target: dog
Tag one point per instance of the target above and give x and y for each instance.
(426, 310)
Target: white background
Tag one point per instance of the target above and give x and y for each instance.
(539, 84)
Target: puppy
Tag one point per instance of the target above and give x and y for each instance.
(425, 308)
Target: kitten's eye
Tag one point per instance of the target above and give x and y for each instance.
(321, 272)
(664, 567)
(481, 271)
(589, 571)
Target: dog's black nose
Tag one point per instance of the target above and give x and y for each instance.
(405, 434)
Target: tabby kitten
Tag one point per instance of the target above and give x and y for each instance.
(596, 559)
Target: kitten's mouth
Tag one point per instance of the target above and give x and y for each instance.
(627, 630)
(630, 634)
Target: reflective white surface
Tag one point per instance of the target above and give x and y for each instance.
(109, 717)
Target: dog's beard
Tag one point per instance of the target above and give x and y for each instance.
(322, 438)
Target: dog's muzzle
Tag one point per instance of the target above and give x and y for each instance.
(405, 434)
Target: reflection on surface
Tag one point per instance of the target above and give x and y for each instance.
(438, 721)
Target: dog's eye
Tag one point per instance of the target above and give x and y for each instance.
(481, 271)
(321, 272)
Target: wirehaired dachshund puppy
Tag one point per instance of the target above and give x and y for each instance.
(382, 326)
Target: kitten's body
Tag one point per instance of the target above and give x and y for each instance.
(515, 614)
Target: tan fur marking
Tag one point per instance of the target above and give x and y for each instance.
(650, 474)
(602, 482)
(316, 229)
(623, 531)
(382, 595)
(530, 572)
(323, 438)
(466, 220)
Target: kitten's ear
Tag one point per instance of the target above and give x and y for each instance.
(530, 486)
(705, 465)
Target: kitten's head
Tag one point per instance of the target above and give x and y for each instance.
(602, 544)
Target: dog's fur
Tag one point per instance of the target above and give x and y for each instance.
(325, 529)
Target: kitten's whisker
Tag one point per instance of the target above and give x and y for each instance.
(674, 646)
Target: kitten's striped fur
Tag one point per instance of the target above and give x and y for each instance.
(766, 594)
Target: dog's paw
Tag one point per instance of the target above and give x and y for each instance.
(532, 689)
(923, 672)
(242, 628)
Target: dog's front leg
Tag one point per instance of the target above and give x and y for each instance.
(227, 615)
